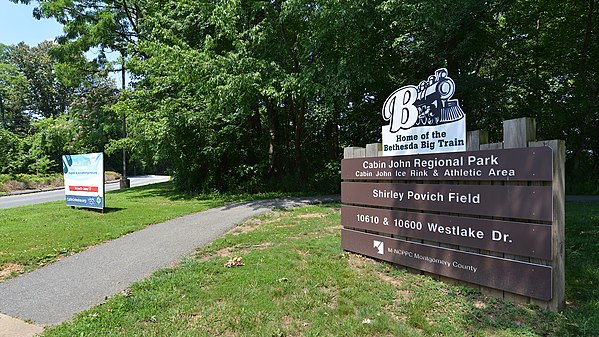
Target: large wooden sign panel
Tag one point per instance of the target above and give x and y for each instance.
(527, 164)
(522, 278)
(510, 237)
(509, 201)
(496, 201)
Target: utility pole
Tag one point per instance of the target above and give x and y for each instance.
(124, 182)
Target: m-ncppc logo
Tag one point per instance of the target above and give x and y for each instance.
(380, 246)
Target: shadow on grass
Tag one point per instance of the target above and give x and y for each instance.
(167, 190)
(104, 211)
(580, 316)
(113, 209)
(582, 267)
(164, 190)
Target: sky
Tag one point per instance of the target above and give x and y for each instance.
(17, 24)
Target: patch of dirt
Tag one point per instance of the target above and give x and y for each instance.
(224, 251)
(255, 223)
(227, 251)
(401, 296)
(329, 291)
(480, 305)
(286, 322)
(8, 268)
(335, 229)
(302, 252)
(290, 323)
(389, 279)
(396, 316)
(312, 215)
(359, 262)
(243, 229)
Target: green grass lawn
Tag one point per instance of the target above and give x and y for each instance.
(35, 235)
(296, 281)
(582, 267)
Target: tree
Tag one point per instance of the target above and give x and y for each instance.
(13, 153)
(13, 95)
(218, 81)
(47, 96)
(234, 94)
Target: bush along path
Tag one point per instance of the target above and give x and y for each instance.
(53, 294)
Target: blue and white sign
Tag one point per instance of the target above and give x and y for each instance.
(84, 180)
(424, 118)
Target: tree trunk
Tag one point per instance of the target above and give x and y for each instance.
(331, 134)
(272, 137)
(589, 119)
(254, 134)
(299, 129)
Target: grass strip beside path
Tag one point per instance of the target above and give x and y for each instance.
(287, 276)
(35, 235)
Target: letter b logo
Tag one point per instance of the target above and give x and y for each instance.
(400, 110)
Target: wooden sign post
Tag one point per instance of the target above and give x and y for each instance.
(491, 217)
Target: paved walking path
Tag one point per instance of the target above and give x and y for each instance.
(53, 294)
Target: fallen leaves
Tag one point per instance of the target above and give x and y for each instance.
(9, 268)
(234, 262)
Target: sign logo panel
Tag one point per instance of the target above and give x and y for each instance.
(424, 118)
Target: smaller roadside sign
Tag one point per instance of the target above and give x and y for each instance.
(84, 180)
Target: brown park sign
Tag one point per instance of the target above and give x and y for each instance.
(526, 164)
(516, 238)
(509, 201)
(518, 277)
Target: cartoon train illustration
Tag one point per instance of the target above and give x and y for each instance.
(433, 100)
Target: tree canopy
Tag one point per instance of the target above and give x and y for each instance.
(48, 109)
(247, 95)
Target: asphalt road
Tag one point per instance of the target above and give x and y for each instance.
(46, 196)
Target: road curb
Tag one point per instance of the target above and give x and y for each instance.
(13, 327)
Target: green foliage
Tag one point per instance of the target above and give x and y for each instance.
(88, 127)
(242, 105)
(42, 118)
(46, 95)
(232, 95)
(329, 179)
(93, 119)
(48, 144)
(12, 152)
(280, 87)
(13, 89)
